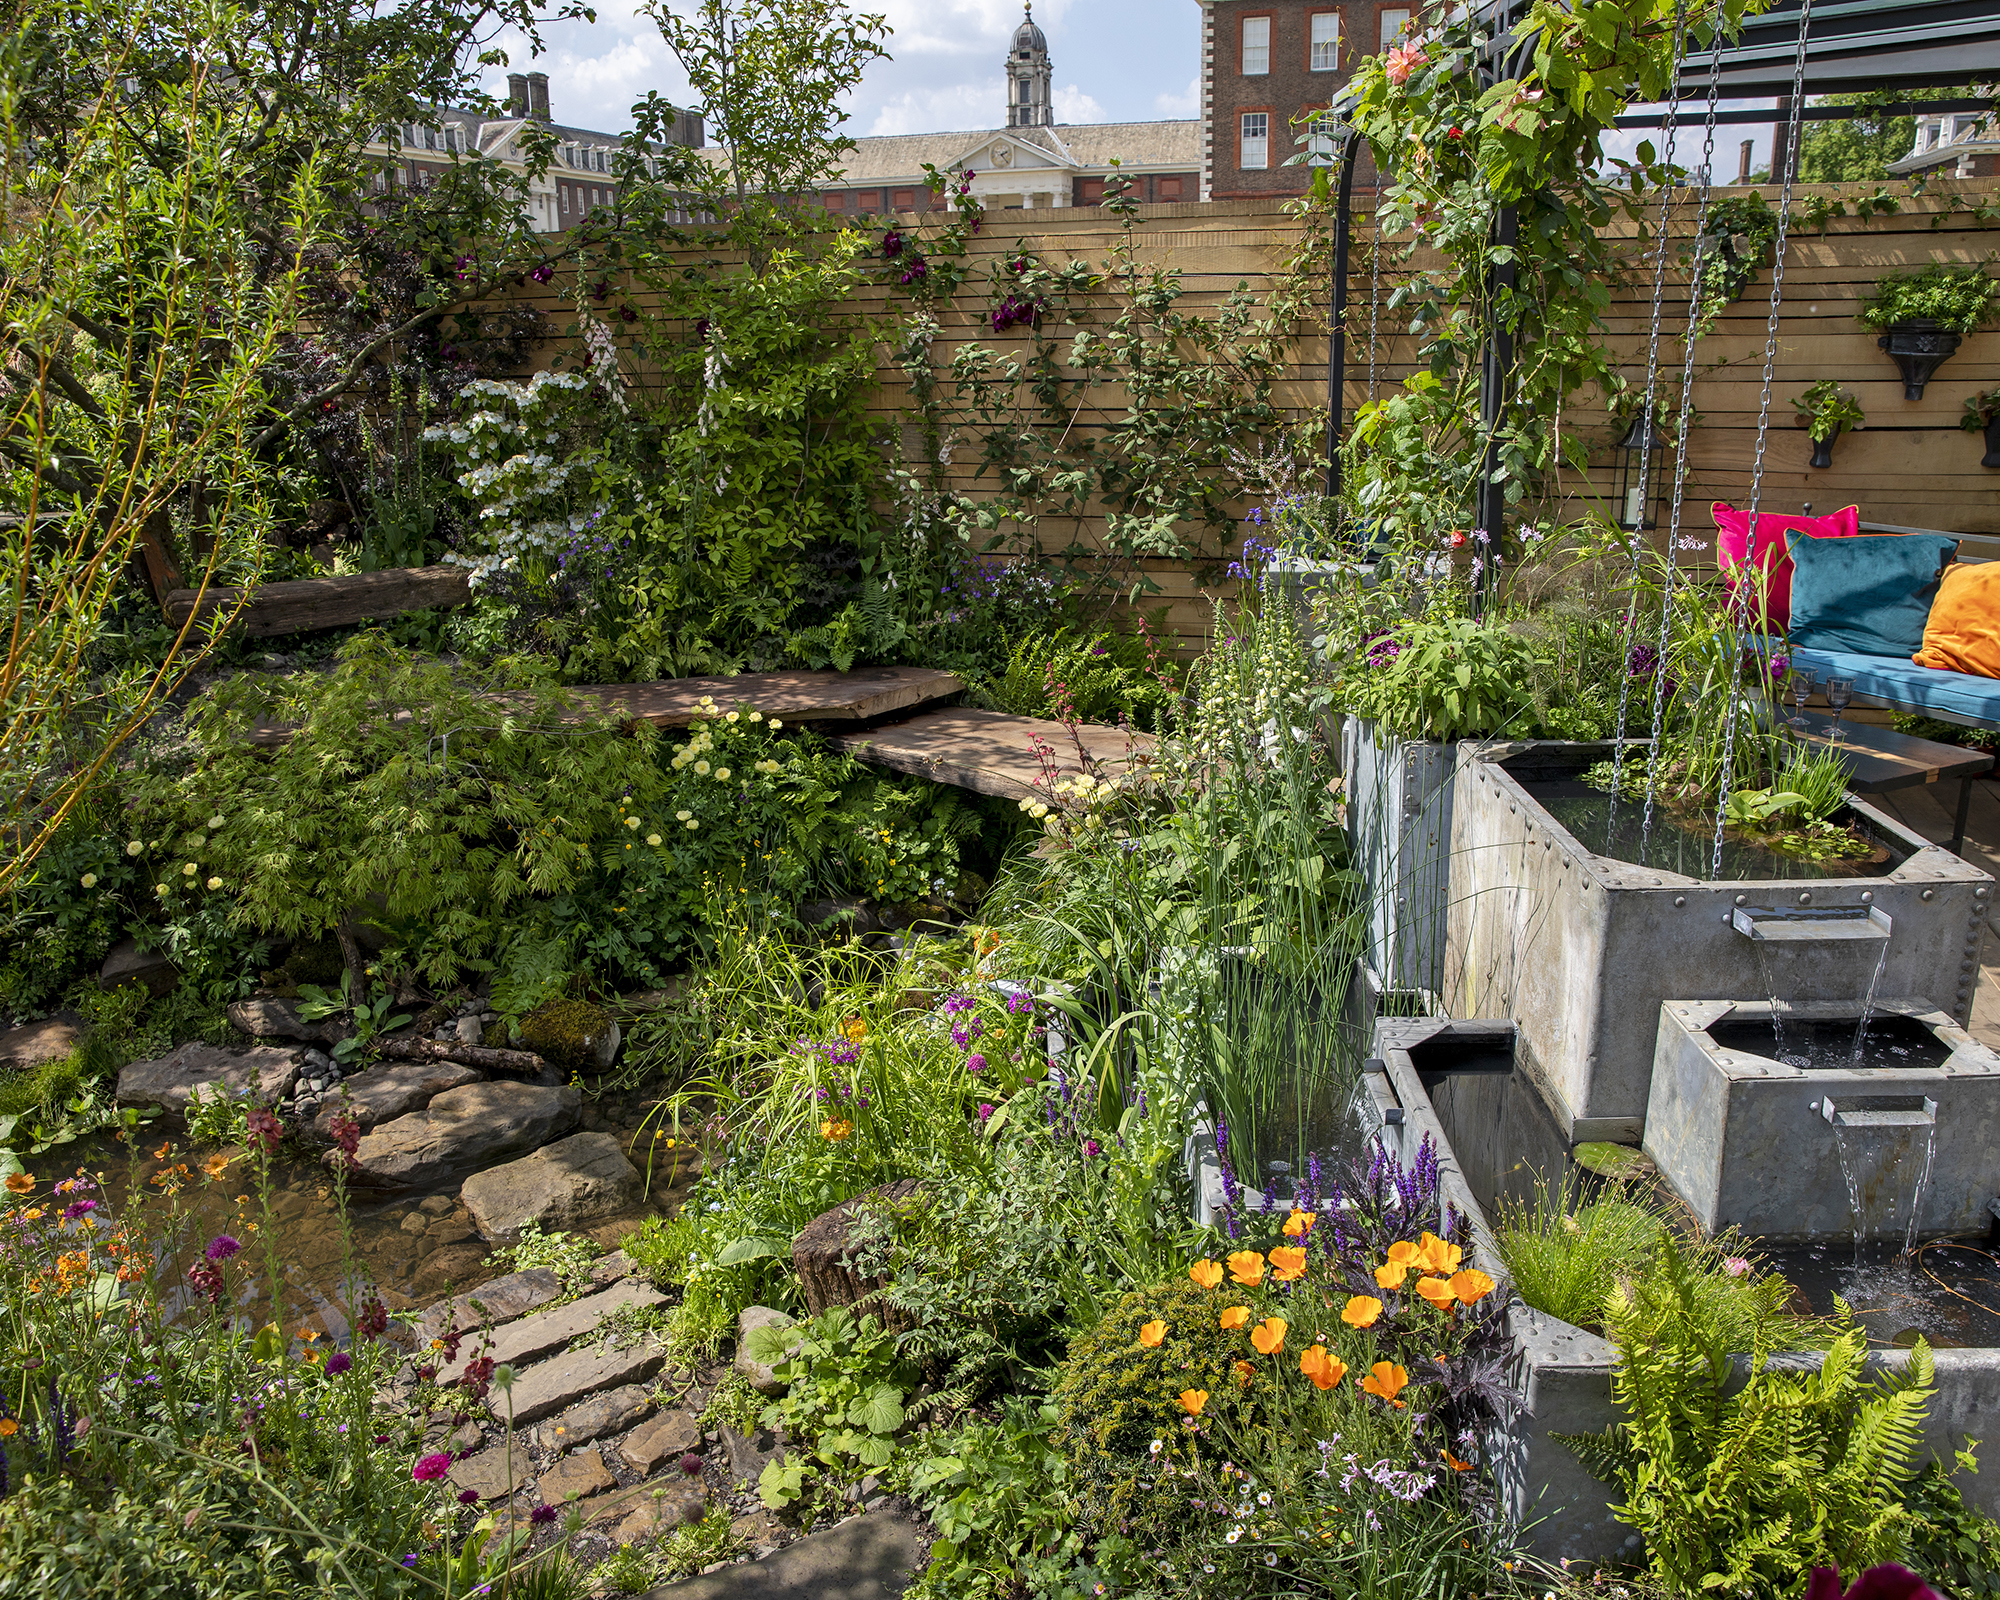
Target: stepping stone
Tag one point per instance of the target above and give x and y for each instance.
(127, 964)
(280, 1019)
(599, 1415)
(395, 1089)
(576, 1180)
(760, 1375)
(559, 1382)
(573, 1477)
(487, 1474)
(801, 696)
(610, 1269)
(500, 1301)
(34, 1043)
(991, 752)
(871, 1557)
(645, 1509)
(462, 1128)
(169, 1082)
(531, 1338)
(667, 1437)
(750, 1454)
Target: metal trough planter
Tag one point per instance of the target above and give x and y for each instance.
(1485, 1132)
(1581, 950)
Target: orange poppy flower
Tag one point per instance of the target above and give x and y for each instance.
(1324, 1368)
(1244, 1373)
(1439, 1256)
(1299, 1224)
(1153, 1332)
(8, 1427)
(1192, 1400)
(1234, 1317)
(1288, 1263)
(1390, 1275)
(1436, 1290)
(1361, 1311)
(1246, 1267)
(1386, 1380)
(1454, 1463)
(1206, 1273)
(1269, 1336)
(165, 1145)
(19, 1182)
(1471, 1285)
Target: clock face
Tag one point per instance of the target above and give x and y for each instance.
(1003, 155)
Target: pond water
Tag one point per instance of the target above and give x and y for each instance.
(411, 1247)
(1683, 844)
(1948, 1290)
(1888, 1041)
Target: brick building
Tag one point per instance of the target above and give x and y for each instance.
(1962, 144)
(1266, 66)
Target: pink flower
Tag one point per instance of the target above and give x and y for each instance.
(431, 1468)
(1886, 1582)
(1736, 1266)
(1401, 61)
(975, 1063)
(985, 1111)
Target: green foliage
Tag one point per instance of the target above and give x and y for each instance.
(1859, 149)
(1954, 1547)
(1095, 677)
(1980, 410)
(366, 1017)
(1449, 678)
(1735, 245)
(847, 1382)
(996, 1493)
(82, 894)
(571, 1256)
(1957, 294)
(1566, 1258)
(1827, 410)
(1752, 1489)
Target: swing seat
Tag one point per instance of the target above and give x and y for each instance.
(1895, 684)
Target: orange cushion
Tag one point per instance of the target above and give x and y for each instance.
(1962, 633)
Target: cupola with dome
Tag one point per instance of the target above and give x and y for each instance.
(1030, 100)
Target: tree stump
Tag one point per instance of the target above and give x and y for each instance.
(820, 1252)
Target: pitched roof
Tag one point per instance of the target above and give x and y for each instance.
(1082, 147)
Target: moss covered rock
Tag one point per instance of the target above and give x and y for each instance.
(571, 1034)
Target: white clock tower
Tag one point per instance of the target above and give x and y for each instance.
(1030, 100)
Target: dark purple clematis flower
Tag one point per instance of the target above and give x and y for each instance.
(1886, 1582)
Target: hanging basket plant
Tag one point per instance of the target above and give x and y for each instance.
(1827, 410)
(1734, 246)
(1926, 315)
(1982, 415)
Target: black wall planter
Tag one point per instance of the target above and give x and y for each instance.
(1822, 455)
(1992, 456)
(1918, 348)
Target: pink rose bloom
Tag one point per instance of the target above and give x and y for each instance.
(1401, 61)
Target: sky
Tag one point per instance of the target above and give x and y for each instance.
(1114, 60)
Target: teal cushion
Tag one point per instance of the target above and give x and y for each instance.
(1869, 594)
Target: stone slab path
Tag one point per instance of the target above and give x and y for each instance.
(858, 696)
(869, 1557)
(993, 752)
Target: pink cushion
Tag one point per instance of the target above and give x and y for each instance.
(1733, 554)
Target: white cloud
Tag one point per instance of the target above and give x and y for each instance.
(1073, 105)
(1185, 104)
(962, 105)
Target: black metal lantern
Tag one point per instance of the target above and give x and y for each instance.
(1640, 456)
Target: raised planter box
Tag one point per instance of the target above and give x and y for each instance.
(1581, 950)
(1399, 802)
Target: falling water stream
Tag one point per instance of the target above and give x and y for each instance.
(1867, 1009)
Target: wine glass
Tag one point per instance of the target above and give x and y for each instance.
(1838, 692)
(1799, 685)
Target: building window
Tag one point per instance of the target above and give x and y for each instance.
(1254, 153)
(1325, 56)
(563, 190)
(1256, 46)
(906, 199)
(1394, 20)
(1170, 188)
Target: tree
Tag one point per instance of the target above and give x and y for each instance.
(1859, 149)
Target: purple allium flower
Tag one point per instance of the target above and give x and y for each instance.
(975, 1062)
(222, 1247)
(432, 1468)
(691, 1464)
(541, 1516)
(337, 1363)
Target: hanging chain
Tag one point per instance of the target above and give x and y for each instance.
(1704, 199)
(1672, 127)
(1794, 126)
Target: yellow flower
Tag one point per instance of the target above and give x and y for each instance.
(682, 816)
(1299, 1224)
(855, 1028)
(1324, 1368)
(652, 838)
(1234, 1317)
(692, 824)
(701, 768)
(755, 716)
(1152, 1334)
(1471, 1285)
(631, 822)
(133, 847)
(1192, 1400)
(1206, 1273)
(776, 724)
(214, 883)
(1288, 1263)
(836, 1129)
(721, 774)
(1436, 1290)
(89, 880)
(1246, 1267)
(215, 822)
(1387, 1380)
(1361, 1311)
(189, 870)
(1269, 1336)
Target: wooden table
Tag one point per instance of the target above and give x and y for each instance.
(1880, 759)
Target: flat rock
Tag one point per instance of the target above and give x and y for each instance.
(280, 1019)
(993, 752)
(760, 1375)
(492, 1304)
(667, 1437)
(170, 1081)
(799, 696)
(660, 1505)
(127, 963)
(612, 1412)
(394, 1089)
(559, 1382)
(531, 1338)
(35, 1043)
(573, 1477)
(462, 1128)
(751, 1453)
(488, 1473)
(611, 1269)
(575, 1180)
(872, 1557)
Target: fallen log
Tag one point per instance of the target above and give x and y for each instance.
(513, 1063)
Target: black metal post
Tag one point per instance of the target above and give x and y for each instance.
(1336, 356)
